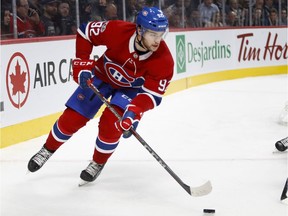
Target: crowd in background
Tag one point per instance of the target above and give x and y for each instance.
(38, 18)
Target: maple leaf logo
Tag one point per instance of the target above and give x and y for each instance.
(18, 79)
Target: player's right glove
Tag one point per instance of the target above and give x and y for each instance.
(130, 118)
(83, 71)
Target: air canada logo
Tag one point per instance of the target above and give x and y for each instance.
(18, 80)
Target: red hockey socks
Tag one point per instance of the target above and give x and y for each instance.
(67, 124)
(103, 150)
(108, 137)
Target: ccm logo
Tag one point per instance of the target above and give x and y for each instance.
(83, 63)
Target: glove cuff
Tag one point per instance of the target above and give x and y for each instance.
(137, 112)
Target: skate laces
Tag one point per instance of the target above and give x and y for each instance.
(42, 156)
(285, 142)
(93, 168)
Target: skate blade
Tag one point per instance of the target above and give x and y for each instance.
(285, 201)
(82, 183)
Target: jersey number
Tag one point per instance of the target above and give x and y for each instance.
(162, 85)
(95, 28)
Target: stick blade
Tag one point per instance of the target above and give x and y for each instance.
(201, 190)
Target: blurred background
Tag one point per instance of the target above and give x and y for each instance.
(40, 18)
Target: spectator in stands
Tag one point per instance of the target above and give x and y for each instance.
(269, 5)
(265, 10)
(245, 16)
(207, 8)
(231, 19)
(220, 5)
(28, 21)
(6, 4)
(176, 9)
(216, 21)
(5, 22)
(194, 19)
(98, 9)
(257, 17)
(284, 19)
(140, 4)
(72, 9)
(151, 3)
(111, 12)
(175, 20)
(65, 24)
(36, 5)
(233, 5)
(131, 11)
(165, 3)
(85, 11)
(49, 15)
(259, 4)
(284, 4)
(273, 17)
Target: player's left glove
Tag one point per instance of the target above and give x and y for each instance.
(130, 118)
(82, 71)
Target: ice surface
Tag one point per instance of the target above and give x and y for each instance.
(224, 132)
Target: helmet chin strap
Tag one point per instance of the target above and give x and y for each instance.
(140, 42)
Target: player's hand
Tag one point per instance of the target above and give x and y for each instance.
(33, 16)
(130, 119)
(83, 77)
(83, 71)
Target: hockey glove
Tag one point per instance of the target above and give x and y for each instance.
(83, 71)
(130, 118)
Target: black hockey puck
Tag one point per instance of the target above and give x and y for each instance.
(209, 210)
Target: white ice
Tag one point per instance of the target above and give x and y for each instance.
(224, 132)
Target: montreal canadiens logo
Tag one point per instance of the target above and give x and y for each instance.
(18, 80)
(145, 13)
(118, 75)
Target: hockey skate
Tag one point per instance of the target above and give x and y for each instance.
(284, 198)
(39, 159)
(92, 171)
(282, 144)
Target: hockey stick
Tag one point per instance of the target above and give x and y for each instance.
(193, 191)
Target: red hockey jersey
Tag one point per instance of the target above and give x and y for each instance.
(121, 65)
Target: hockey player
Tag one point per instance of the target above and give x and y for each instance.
(134, 72)
(282, 146)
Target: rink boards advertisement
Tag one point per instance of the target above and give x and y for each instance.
(36, 76)
(209, 51)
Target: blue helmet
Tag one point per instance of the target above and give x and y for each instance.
(152, 18)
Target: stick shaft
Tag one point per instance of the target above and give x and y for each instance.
(140, 139)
